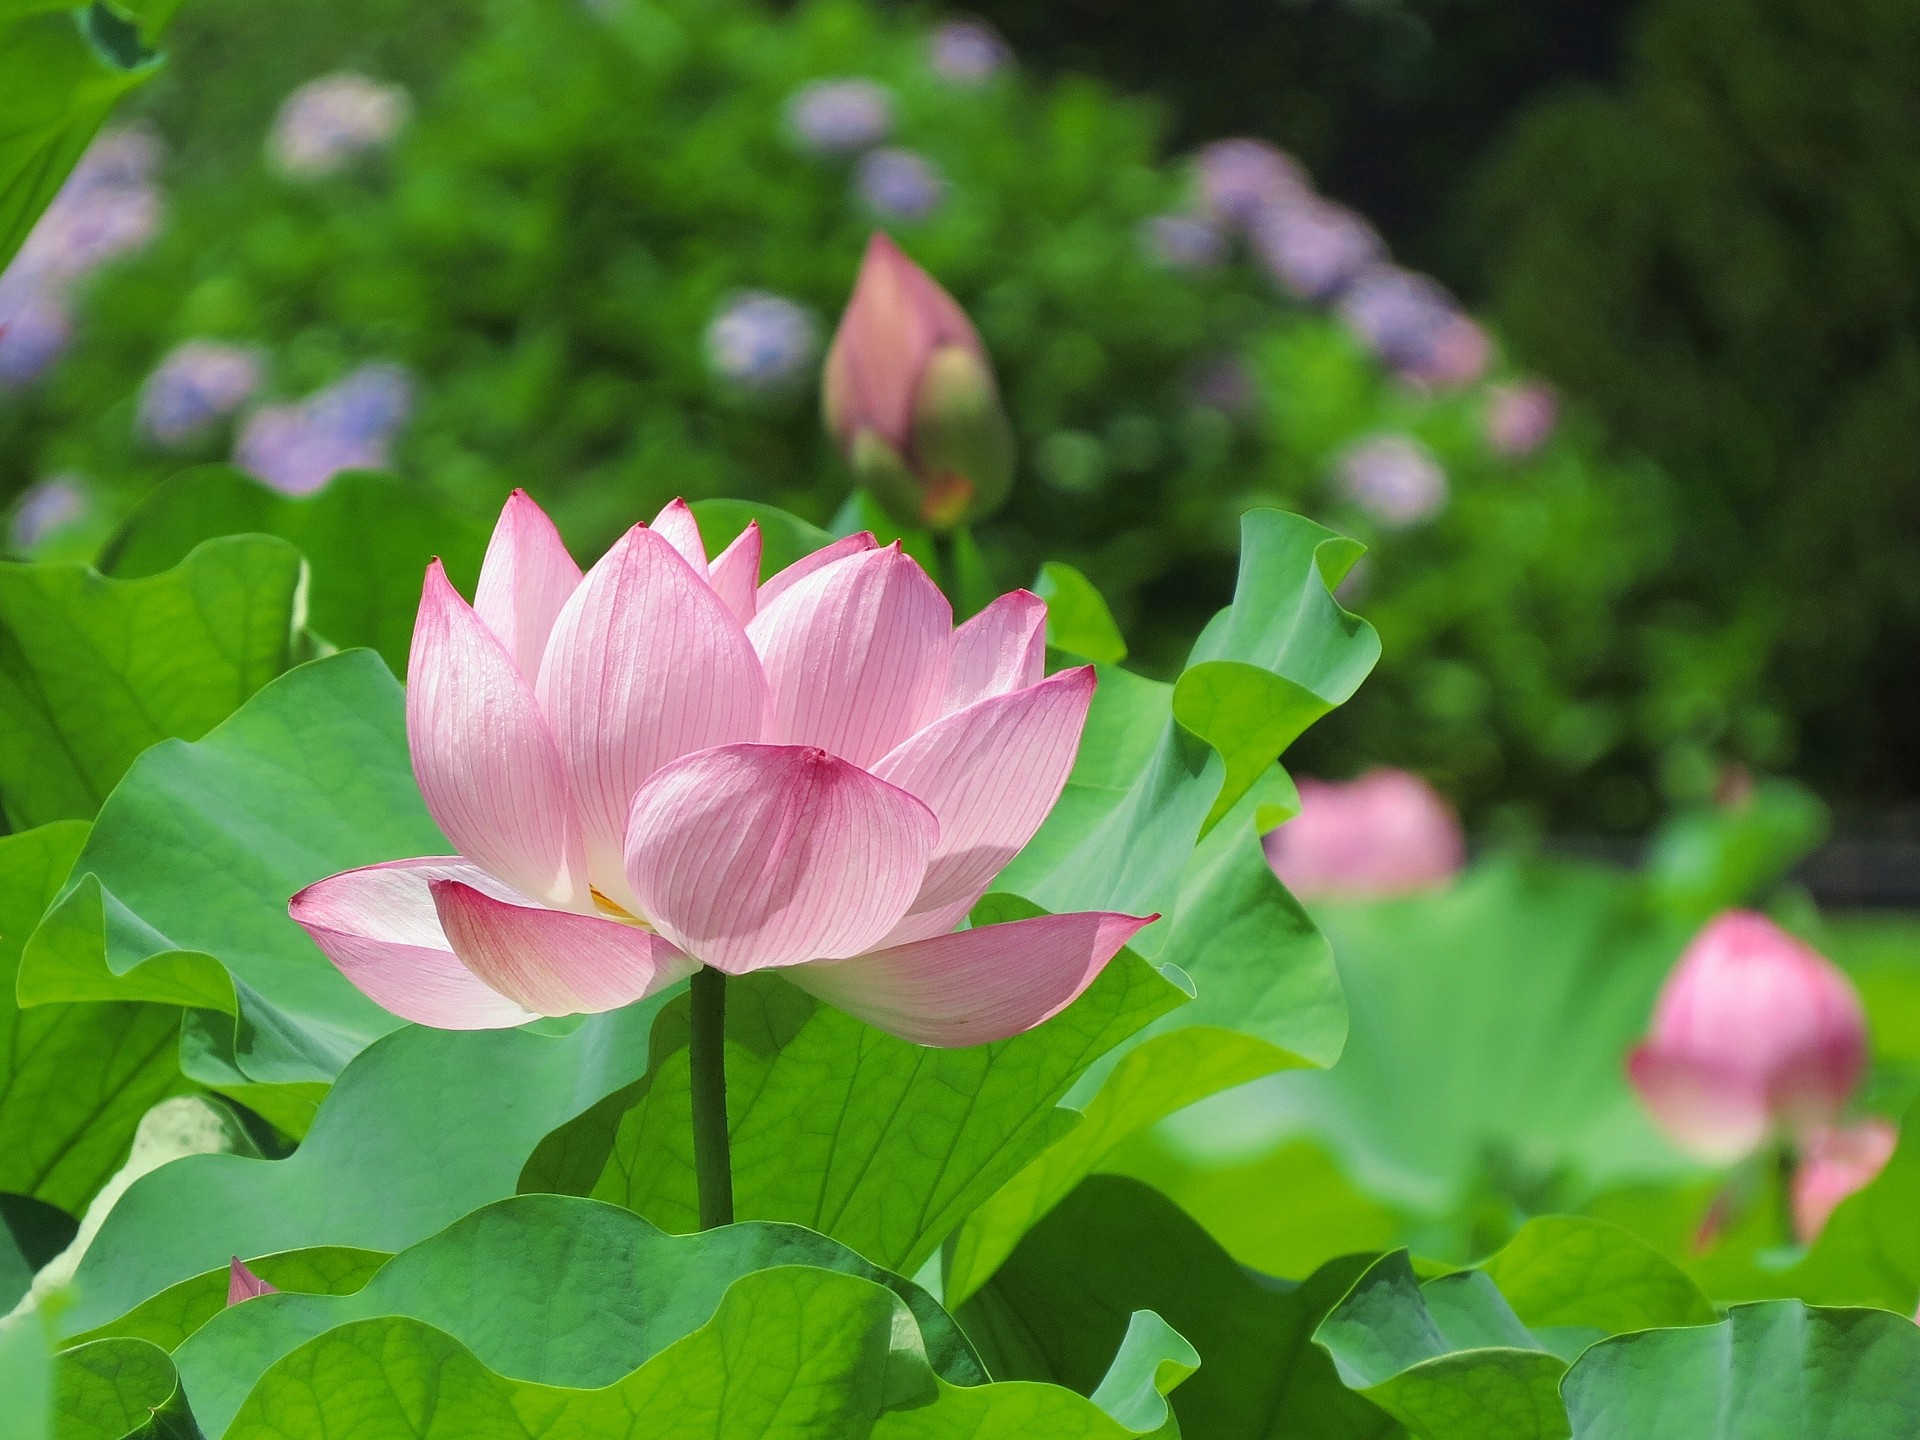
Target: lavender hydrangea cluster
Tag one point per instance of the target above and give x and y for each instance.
(899, 184)
(1415, 327)
(840, 117)
(1393, 479)
(51, 505)
(761, 342)
(328, 123)
(1520, 417)
(298, 446)
(109, 207)
(967, 52)
(197, 385)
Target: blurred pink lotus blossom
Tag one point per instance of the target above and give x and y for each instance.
(299, 446)
(1395, 479)
(840, 117)
(198, 384)
(909, 396)
(1241, 176)
(243, 1284)
(330, 122)
(1386, 833)
(1754, 1034)
(1835, 1161)
(1521, 418)
(968, 52)
(898, 184)
(668, 763)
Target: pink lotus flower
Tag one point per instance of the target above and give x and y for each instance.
(1387, 833)
(243, 1284)
(1835, 1161)
(1753, 1033)
(667, 763)
(910, 398)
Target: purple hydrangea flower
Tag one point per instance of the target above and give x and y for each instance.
(1183, 242)
(197, 385)
(1312, 247)
(898, 184)
(34, 329)
(1415, 327)
(298, 446)
(44, 508)
(1394, 479)
(328, 123)
(968, 52)
(1240, 177)
(760, 341)
(840, 117)
(1521, 417)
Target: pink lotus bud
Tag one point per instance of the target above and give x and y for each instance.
(243, 1284)
(1520, 418)
(1754, 1033)
(328, 123)
(1394, 479)
(1835, 1161)
(668, 762)
(910, 398)
(1387, 833)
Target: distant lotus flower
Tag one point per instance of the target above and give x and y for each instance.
(1312, 247)
(1238, 178)
(910, 398)
(1387, 833)
(1836, 1161)
(1415, 327)
(667, 763)
(1754, 1033)
(44, 508)
(899, 184)
(1395, 479)
(1520, 418)
(328, 123)
(968, 52)
(198, 384)
(298, 447)
(243, 1284)
(840, 117)
(1183, 242)
(760, 341)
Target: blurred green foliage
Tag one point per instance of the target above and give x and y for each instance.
(1724, 257)
(581, 189)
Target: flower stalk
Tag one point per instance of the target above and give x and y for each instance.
(706, 1056)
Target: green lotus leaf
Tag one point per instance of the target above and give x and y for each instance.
(1060, 1306)
(74, 1079)
(1078, 620)
(93, 670)
(1778, 1370)
(119, 1390)
(367, 538)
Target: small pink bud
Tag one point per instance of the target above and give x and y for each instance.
(1835, 1161)
(909, 396)
(243, 1284)
(1387, 833)
(1754, 1032)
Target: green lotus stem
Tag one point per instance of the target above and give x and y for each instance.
(707, 1058)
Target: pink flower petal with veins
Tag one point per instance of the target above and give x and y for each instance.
(786, 579)
(486, 762)
(1000, 650)
(990, 773)
(750, 856)
(855, 655)
(378, 924)
(525, 579)
(646, 664)
(677, 526)
(735, 575)
(974, 986)
(550, 961)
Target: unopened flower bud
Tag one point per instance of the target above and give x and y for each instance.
(1754, 1034)
(910, 398)
(1387, 833)
(243, 1284)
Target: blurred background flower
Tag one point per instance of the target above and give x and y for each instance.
(1395, 479)
(297, 447)
(898, 184)
(1386, 833)
(198, 384)
(968, 52)
(761, 341)
(329, 123)
(840, 117)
